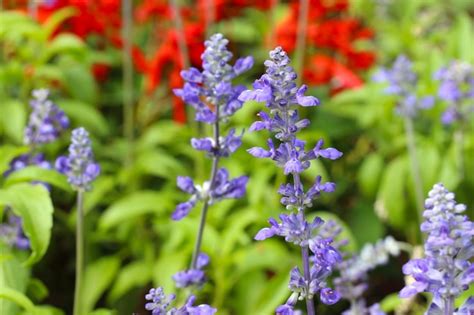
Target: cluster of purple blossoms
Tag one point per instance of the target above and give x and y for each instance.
(79, 166)
(446, 270)
(353, 274)
(278, 89)
(456, 88)
(215, 99)
(25, 160)
(47, 121)
(11, 232)
(160, 305)
(402, 82)
(222, 188)
(211, 93)
(192, 277)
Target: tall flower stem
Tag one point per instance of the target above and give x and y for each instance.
(127, 81)
(415, 167)
(459, 144)
(301, 37)
(449, 306)
(79, 252)
(202, 223)
(304, 249)
(305, 257)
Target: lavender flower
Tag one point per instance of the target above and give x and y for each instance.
(79, 166)
(47, 121)
(456, 87)
(353, 274)
(25, 160)
(11, 232)
(160, 305)
(402, 82)
(192, 277)
(446, 270)
(278, 89)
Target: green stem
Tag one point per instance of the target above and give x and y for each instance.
(127, 80)
(459, 143)
(301, 37)
(79, 253)
(215, 164)
(210, 9)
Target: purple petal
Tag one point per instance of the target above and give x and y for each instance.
(186, 184)
(330, 153)
(264, 233)
(204, 144)
(182, 210)
(192, 75)
(329, 296)
(305, 100)
(259, 152)
(243, 64)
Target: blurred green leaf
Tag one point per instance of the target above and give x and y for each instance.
(134, 205)
(135, 274)
(16, 297)
(13, 119)
(80, 82)
(85, 115)
(369, 174)
(97, 278)
(392, 192)
(56, 19)
(64, 43)
(390, 302)
(7, 154)
(36, 173)
(33, 204)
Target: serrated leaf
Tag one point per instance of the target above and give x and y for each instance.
(134, 205)
(97, 278)
(36, 173)
(33, 204)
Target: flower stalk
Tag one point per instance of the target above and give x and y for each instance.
(79, 253)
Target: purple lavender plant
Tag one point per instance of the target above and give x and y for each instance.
(81, 169)
(25, 160)
(446, 270)
(79, 166)
(11, 232)
(456, 89)
(353, 274)
(160, 305)
(278, 89)
(47, 121)
(211, 93)
(402, 81)
(214, 98)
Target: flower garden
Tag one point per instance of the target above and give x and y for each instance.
(236, 157)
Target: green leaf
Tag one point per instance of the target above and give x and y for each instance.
(135, 274)
(80, 82)
(164, 132)
(37, 289)
(97, 278)
(390, 302)
(64, 43)
(85, 115)
(13, 119)
(8, 153)
(134, 205)
(159, 163)
(56, 19)
(33, 204)
(16, 297)
(391, 195)
(12, 275)
(36, 173)
(369, 174)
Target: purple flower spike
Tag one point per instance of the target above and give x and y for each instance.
(79, 166)
(47, 121)
(278, 89)
(446, 270)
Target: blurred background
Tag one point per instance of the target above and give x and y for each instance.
(111, 66)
